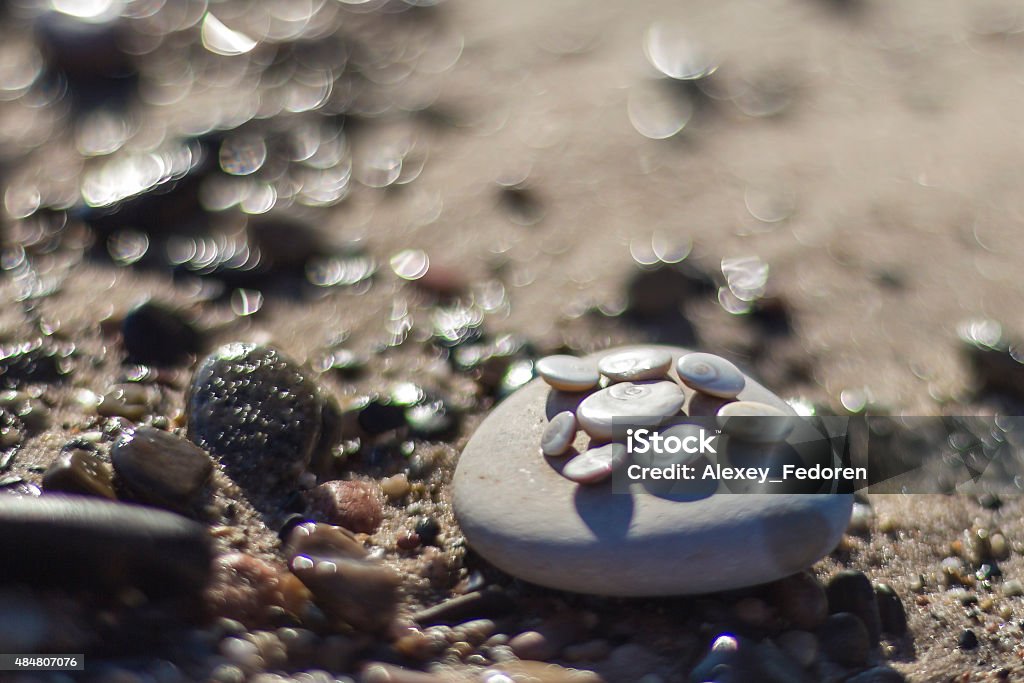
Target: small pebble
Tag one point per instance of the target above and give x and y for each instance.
(845, 640)
(346, 584)
(568, 373)
(160, 468)
(968, 640)
(428, 529)
(532, 645)
(851, 591)
(77, 470)
(396, 487)
(634, 365)
(596, 464)
(131, 401)
(559, 434)
(754, 421)
(355, 505)
(710, 374)
(860, 519)
(155, 334)
(652, 400)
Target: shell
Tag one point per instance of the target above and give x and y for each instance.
(628, 401)
(754, 421)
(596, 464)
(635, 364)
(568, 373)
(710, 374)
(559, 434)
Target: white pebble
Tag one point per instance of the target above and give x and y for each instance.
(559, 434)
(635, 364)
(710, 374)
(595, 465)
(628, 401)
(568, 373)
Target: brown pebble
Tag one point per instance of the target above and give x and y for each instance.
(407, 540)
(532, 645)
(78, 471)
(354, 505)
(345, 584)
(396, 487)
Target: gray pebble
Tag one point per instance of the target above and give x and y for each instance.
(559, 434)
(256, 411)
(851, 591)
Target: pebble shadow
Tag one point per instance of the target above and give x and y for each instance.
(607, 514)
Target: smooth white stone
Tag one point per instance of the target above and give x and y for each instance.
(595, 464)
(628, 400)
(568, 373)
(710, 374)
(755, 421)
(633, 366)
(559, 434)
(522, 515)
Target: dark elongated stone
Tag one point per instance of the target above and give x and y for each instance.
(851, 591)
(160, 468)
(892, 615)
(255, 410)
(158, 335)
(845, 639)
(76, 470)
(75, 541)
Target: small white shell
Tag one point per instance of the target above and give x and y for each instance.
(628, 401)
(568, 373)
(596, 464)
(559, 434)
(633, 365)
(710, 374)
(754, 421)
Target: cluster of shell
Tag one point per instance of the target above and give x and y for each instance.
(635, 386)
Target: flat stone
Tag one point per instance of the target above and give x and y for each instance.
(160, 468)
(76, 470)
(634, 400)
(77, 541)
(518, 512)
(595, 464)
(559, 434)
(632, 366)
(710, 374)
(256, 411)
(755, 421)
(568, 373)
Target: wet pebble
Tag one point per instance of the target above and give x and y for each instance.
(128, 400)
(594, 465)
(346, 584)
(845, 639)
(559, 434)
(77, 470)
(355, 505)
(94, 543)
(637, 400)
(851, 591)
(160, 468)
(428, 529)
(155, 334)
(710, 374)
(568, 373)
(754, 421)
(256, 411)
(635, 365)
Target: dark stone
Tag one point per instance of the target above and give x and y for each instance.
(845, 640)
(489, 602)
(851, 591)
(892, 615)
(800, 600)
(75, 541)
(880, 674)
(256, 411)
(428, 529)
(154, 334)
(968, 640)
(290, 522)
(160, 468)
(380, 415)
(76, 470)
